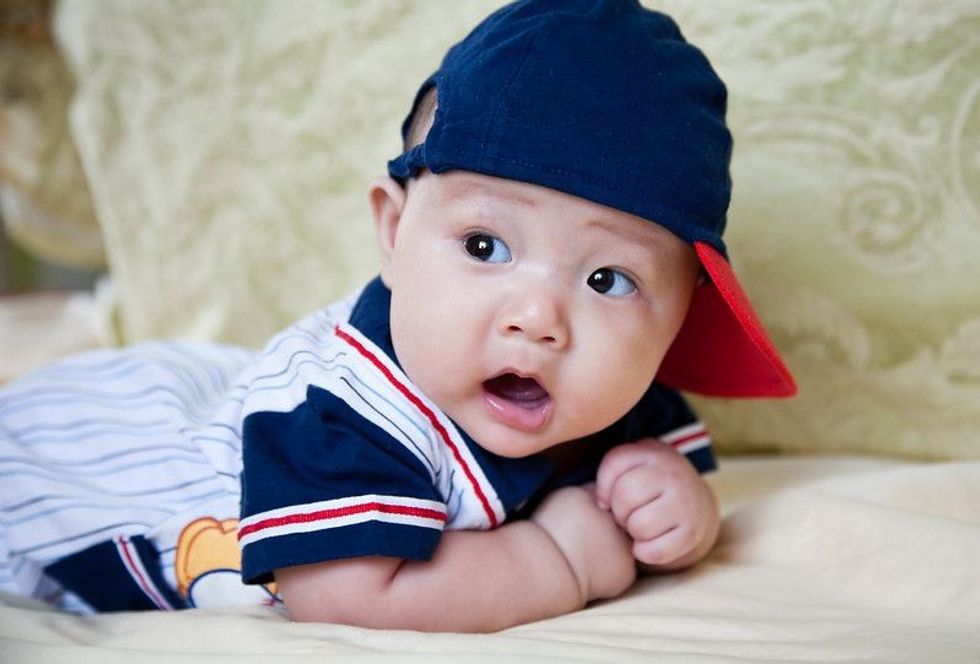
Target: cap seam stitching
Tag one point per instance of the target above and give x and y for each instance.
(492, 122)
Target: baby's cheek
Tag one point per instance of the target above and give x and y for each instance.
(612, 385)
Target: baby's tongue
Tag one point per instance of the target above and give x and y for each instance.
(514, 388)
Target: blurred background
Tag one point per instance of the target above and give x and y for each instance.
(22, 272)
(34, 91)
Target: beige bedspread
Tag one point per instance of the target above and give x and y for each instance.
(822, 559)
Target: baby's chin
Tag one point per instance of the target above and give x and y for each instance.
(494, 434)
(507, 442)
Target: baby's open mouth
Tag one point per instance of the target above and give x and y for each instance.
(518, 401)
(525, 392)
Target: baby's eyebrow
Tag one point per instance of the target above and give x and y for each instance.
(487, 194)
(628, 233)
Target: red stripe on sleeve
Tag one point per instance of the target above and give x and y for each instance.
(702, 433)
(338, 512)
(430, 416)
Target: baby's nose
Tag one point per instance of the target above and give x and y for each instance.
(539, 317)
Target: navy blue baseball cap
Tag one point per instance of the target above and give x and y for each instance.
(606, 100)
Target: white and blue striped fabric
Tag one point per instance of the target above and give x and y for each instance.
(113, 443)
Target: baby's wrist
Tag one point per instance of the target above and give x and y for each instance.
(575, 572)
(562, 532)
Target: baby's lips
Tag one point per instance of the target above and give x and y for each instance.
(518, 400)
(525, 390)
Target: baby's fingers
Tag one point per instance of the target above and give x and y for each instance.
(637, 491)
(649, 522)
(666, 548)
(617, 462)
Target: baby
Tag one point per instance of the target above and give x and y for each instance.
(487, 434)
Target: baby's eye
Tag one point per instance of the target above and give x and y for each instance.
(608, 281)
(487, 248)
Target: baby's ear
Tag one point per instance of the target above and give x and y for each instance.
(387, 202)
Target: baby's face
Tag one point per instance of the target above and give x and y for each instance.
(529, 316)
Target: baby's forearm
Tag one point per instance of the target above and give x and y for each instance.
(476, 582)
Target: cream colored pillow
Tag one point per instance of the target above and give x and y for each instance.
(228, 147)
(44, 202)
(855, 224)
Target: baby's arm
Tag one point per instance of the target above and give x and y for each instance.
(567, 554)
(655, 494)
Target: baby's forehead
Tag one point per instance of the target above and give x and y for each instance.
(478, 194)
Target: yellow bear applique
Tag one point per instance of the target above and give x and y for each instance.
(209, 563)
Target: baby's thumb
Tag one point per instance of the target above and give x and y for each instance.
(614, 465)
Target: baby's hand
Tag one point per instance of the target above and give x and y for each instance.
(597, 550)
(656, 495)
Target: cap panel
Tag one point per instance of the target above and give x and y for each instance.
(630, 108)
(602, 99)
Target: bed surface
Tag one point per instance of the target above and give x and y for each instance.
(821, 558)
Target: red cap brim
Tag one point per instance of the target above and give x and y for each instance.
(722, 349)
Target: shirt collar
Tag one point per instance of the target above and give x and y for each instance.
(515, 480)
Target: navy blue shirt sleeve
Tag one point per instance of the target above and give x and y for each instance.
(323, 483)
(663, 413)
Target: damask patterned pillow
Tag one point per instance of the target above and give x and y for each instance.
(228, 147)
(855, 223)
